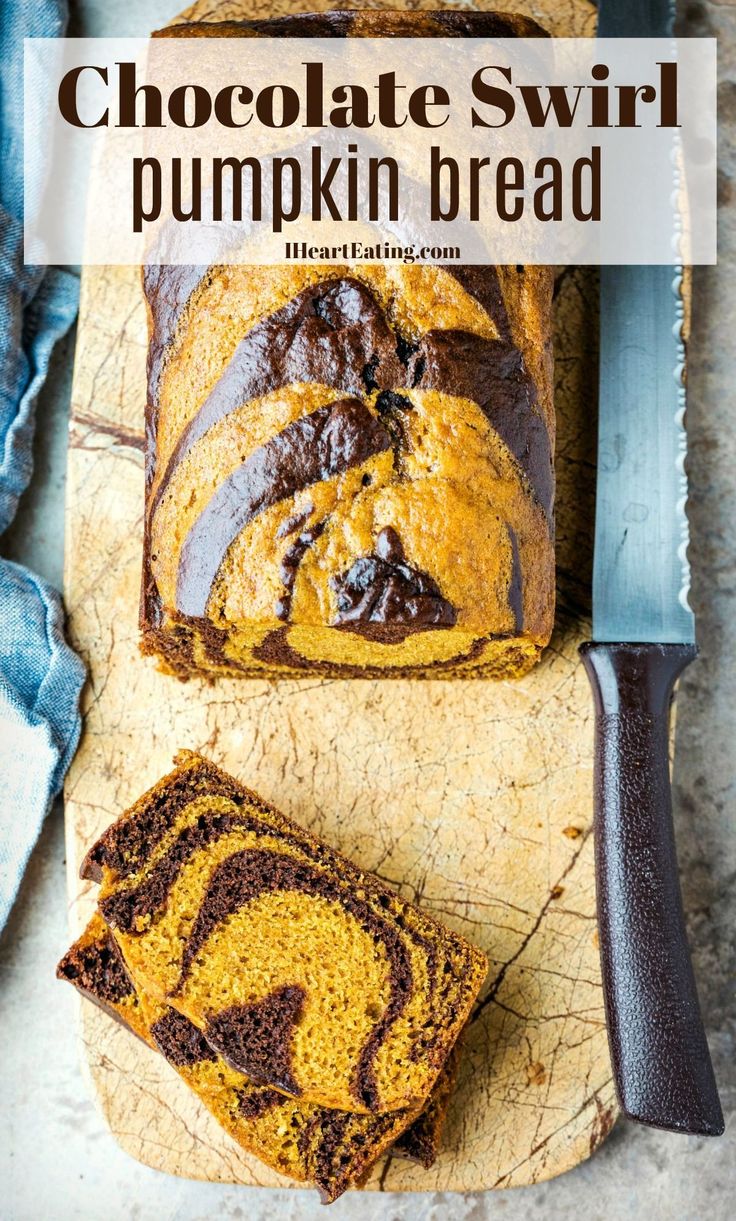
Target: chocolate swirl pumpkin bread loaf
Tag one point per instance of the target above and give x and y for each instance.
(303, 972)
(349, 468)
(332, 1149)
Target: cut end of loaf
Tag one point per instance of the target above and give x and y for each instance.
(350, 472)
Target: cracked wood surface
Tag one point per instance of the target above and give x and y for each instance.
(472, 798)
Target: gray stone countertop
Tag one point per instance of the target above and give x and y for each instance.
(58, 1160)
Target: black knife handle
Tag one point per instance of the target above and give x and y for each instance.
(661, 1064)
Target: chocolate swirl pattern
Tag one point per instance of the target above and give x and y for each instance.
(237, 881)
(383, 588)
(333, 1150)
(316, 447)
(365, 402)
(301, 972)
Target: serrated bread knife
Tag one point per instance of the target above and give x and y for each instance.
(643, 637)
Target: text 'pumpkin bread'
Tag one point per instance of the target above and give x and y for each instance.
(302, 971)
(349, 467)
(310, 1144)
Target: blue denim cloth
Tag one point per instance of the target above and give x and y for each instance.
(40, 681)
(37, 305)
(40, 677)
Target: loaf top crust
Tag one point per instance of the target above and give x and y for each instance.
(365, 23)
(304, 972)
(367, 448)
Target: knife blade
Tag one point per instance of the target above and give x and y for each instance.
(641, 574)
(643, 637)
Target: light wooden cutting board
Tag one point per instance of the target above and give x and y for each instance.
(472, 798)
